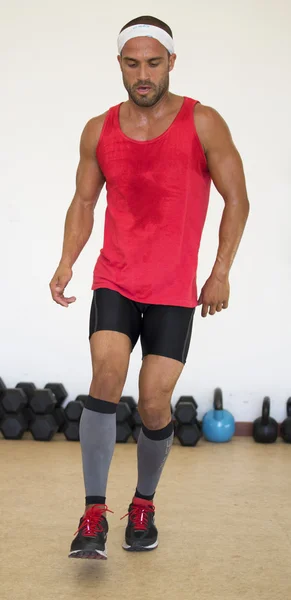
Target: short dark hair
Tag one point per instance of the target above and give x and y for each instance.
(147, 20)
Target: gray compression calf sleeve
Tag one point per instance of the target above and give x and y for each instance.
(152, 450)
(97, 437)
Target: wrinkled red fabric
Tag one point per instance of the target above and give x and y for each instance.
(157, 200)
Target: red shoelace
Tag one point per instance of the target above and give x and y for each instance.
(91, 522)
(139, 515)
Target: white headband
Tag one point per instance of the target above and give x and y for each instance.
(145, 30)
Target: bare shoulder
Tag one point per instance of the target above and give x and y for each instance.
(92, 130)
(209, 124)
(206, 116)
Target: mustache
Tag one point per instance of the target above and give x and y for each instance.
(143, 84)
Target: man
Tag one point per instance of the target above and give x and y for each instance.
(157, 153)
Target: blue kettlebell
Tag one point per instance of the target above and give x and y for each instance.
(218, 425)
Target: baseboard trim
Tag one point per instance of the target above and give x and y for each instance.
(246, 428)
(243, 428)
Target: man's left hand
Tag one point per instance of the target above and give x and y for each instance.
(214, 295)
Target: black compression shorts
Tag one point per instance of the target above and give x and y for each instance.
(163, 330)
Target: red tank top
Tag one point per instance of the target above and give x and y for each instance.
(157, 200)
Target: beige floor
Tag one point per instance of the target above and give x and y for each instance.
(223, 513)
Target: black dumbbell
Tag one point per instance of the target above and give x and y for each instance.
(47, 416)
(45, 403)
(28, 387)
(82, 398)
(187, 427)
(2, 387)
(286, 425)
(15, 415)
(73, 413)
(61, 394)
(186, 410)
(13, 427)
(124, 422)
(25, 406)
(265, 429)
(44, 424)
(14, 400)
(58, 390)
(189, 435)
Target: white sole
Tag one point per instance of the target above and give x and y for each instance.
(127, 547)
(93, 554)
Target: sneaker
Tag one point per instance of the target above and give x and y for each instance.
(141, 532)
(90, 541)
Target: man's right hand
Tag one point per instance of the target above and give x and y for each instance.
(58, 284)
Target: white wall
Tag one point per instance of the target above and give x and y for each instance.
(59, 69)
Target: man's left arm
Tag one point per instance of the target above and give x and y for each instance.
(226, 170)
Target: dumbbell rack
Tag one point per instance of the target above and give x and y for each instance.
(41, 412)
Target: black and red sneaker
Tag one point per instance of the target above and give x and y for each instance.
(141, 533)
(90, 541)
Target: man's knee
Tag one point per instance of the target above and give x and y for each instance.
(155, 412)
(107, 383)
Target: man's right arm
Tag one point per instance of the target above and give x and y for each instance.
(80, 216)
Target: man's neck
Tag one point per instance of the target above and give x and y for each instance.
(149, 113)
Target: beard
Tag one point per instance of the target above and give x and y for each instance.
(153, 96)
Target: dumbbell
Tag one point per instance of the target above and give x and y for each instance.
(44, 424)
(15, 414)
(2, 386)
(21, 405)
(73, 412)
(286, 425)
(48, 415)
(124, 424)
(186, 410)
(188, 428)
(265, 429)
(124, 421)
(28, 387)
(58, 390)
(61, 394)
